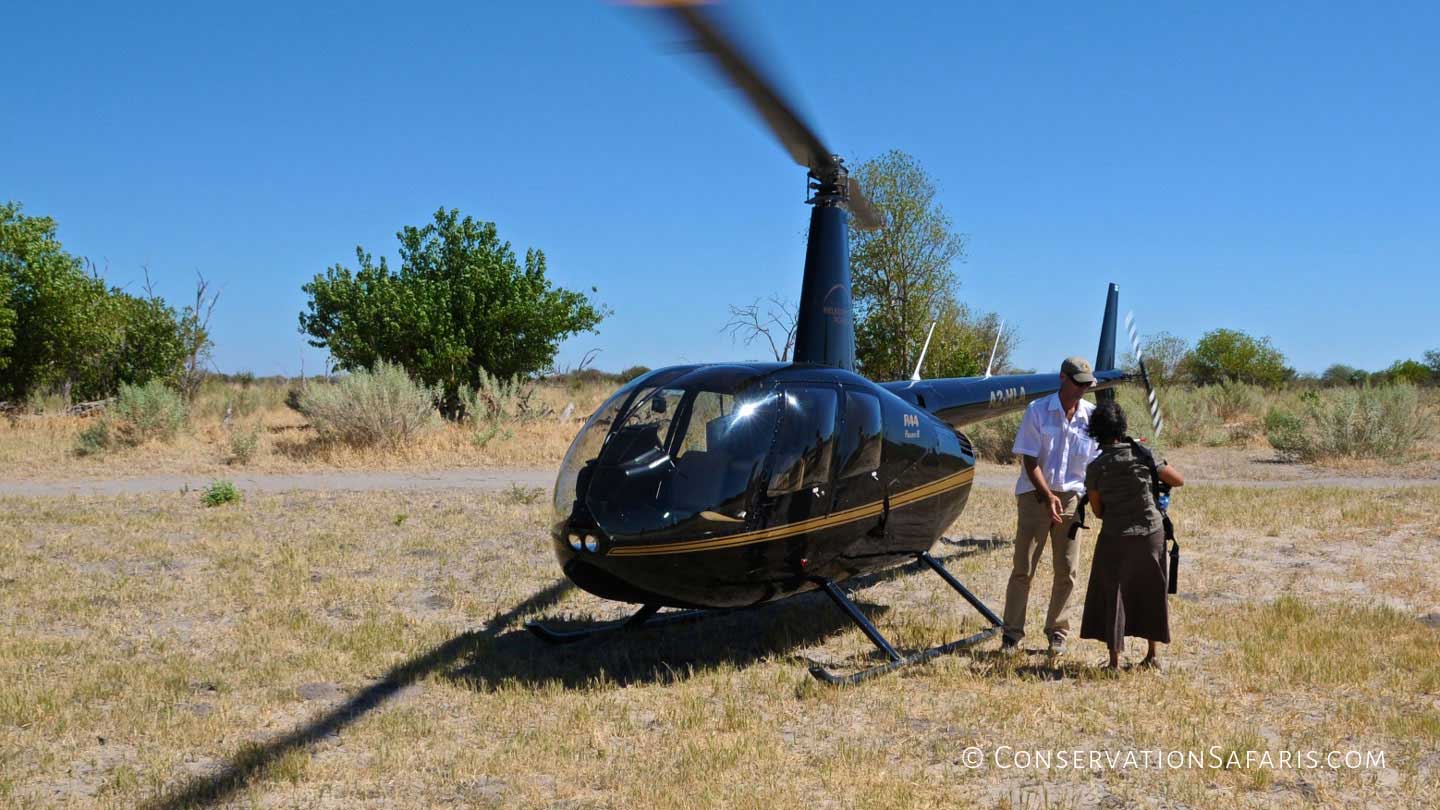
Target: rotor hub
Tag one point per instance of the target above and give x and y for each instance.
(829, 184)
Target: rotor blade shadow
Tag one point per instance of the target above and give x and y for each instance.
(252, 760)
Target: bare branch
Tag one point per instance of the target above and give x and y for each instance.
(149, 285)
(774, 321)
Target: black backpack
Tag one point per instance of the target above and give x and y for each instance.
(1157, 489)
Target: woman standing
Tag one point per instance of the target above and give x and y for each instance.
(1126, 594)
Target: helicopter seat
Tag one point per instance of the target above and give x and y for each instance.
(706, 478)
(697, 474)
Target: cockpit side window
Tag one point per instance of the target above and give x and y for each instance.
(709, 413)
(859, 445)
(805, 445)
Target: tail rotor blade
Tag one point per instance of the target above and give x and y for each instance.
(1155, 419)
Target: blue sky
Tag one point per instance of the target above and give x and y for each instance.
(1265, 168)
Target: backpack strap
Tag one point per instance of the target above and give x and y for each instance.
(1172, 580)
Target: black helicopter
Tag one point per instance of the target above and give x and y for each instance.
(729, 485)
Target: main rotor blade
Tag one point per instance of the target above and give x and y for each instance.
(865, 215)
(804, 146)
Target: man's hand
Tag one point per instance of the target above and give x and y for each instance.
(1042, 489)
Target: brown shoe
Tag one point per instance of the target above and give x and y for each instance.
(1057, 644)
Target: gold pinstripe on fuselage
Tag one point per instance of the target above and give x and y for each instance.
(909, 496)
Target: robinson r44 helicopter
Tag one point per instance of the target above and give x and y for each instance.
(729, 485)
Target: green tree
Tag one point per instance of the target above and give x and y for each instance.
(1408, 371)
(7, 319)
(62, 329)
(1165, 358)
(902, 279)
(57, 310)
(459, 303)
(1341, 374)
(1432, 361)
(1229, 354)
(146, 343)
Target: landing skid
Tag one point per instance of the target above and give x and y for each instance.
(648, 616)
(897, 660)
(644, 617)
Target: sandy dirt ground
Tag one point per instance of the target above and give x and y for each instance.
(1204, 465)
(343, 649)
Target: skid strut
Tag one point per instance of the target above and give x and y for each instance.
(644, 617)
(896, 659)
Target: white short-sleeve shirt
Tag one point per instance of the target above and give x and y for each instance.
(1063, 447)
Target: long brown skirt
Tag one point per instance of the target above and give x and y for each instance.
(1126, 594)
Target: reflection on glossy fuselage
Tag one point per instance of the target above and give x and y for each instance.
(730, 485)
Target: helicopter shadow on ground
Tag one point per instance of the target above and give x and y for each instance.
(503, 651)
(736, 638)
(253, 760)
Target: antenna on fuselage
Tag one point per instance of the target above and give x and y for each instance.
(916, 376)
(990, 366)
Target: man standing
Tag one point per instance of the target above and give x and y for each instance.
(1054, 446)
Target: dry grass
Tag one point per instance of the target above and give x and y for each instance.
(317, 650)
(44, 446)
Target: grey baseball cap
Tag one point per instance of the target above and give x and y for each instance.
(1079, 370)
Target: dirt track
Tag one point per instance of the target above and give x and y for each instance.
(989, 476)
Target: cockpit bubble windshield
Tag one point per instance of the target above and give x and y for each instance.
(589, 441)
(672, 452)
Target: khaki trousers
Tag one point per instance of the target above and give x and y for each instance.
(1034, 527)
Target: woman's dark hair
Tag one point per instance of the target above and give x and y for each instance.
(1107, 423)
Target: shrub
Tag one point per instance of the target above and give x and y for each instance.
(94, 440)
(1384, 422)
(1232, 401)
(1188, 414)
(523, 495)
(217, 400)
(1413, 372)
(1370, 422)
(634, 371)
(368, 408)
(1286, 433)
(149, 411)
(577, 380)
(243, 444)
(993, 438)
(49, 404)
(220, 492)
(496, 404)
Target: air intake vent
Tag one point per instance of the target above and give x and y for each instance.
(965, 444)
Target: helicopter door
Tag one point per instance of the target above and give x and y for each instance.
(801, 457)
(857, 456)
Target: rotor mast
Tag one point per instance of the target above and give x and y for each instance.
(825, 325)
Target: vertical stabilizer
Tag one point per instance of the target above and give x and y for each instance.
(1105, 355)
(825, 328)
